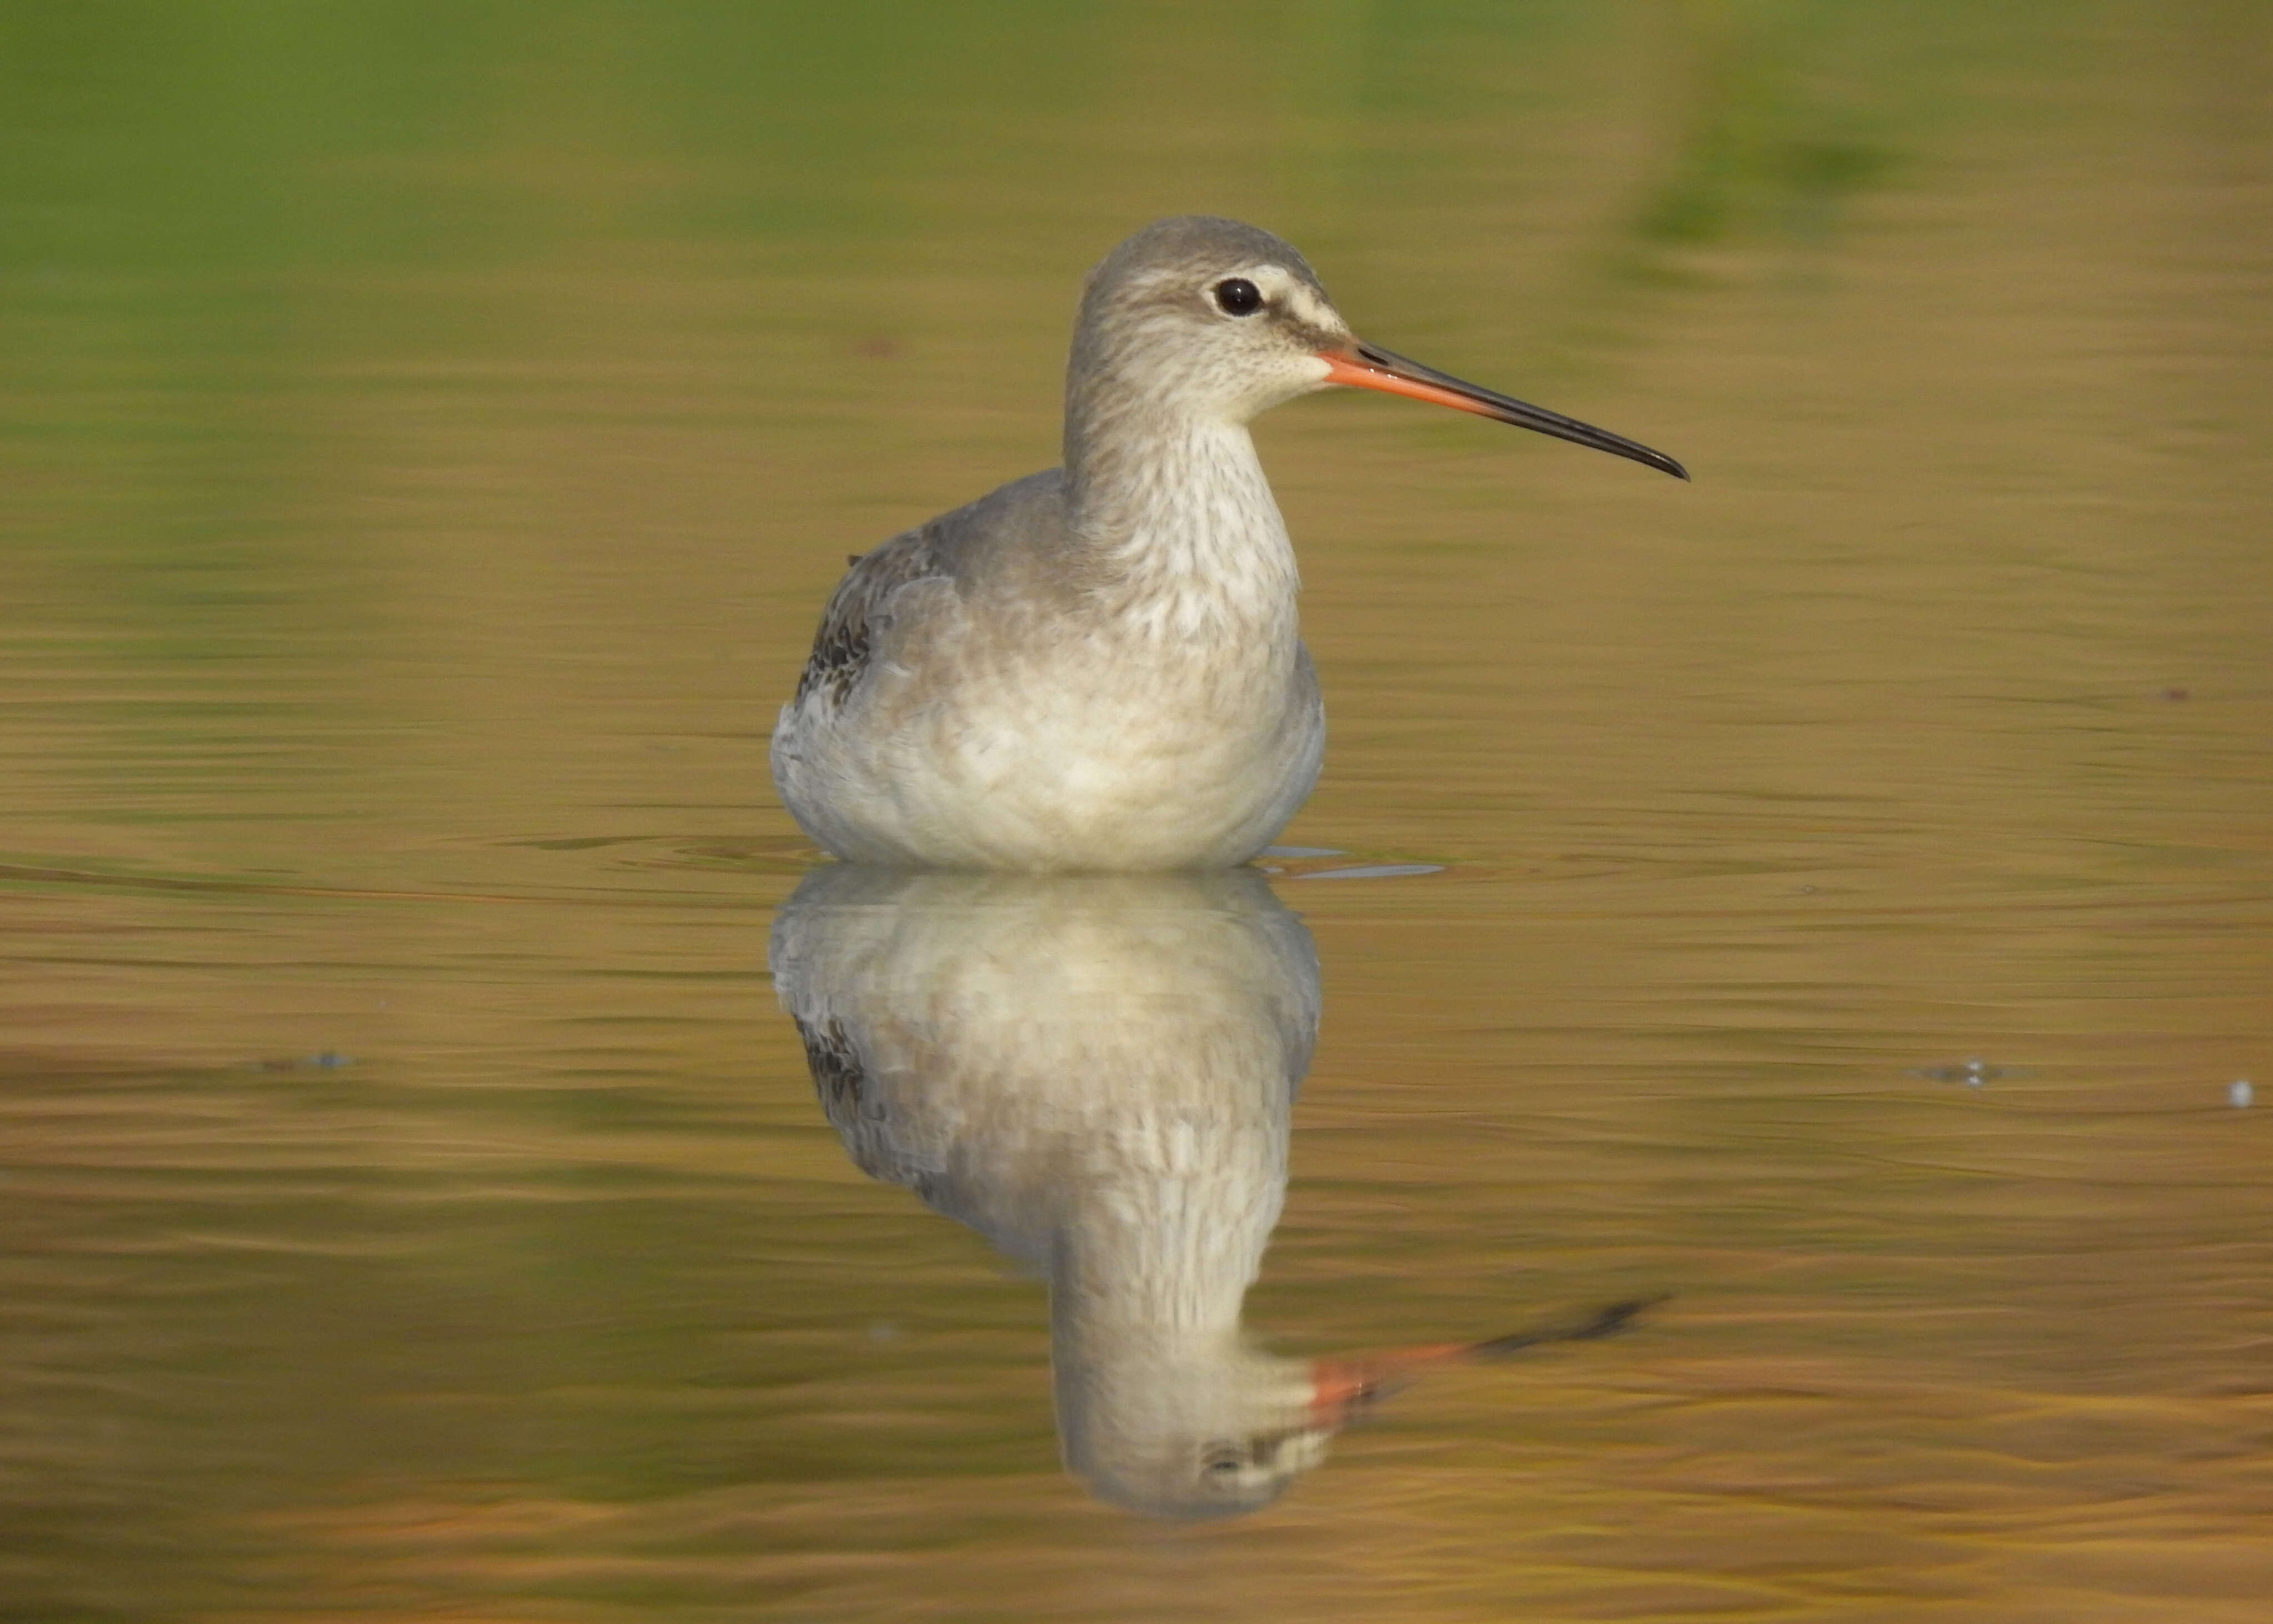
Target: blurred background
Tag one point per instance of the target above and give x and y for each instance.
(427, 434)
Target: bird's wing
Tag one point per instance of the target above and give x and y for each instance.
(857, 1108)
(860, 608)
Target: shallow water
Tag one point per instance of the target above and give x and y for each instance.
(426, 439)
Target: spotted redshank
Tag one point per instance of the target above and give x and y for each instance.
(1097, 1072)
(1099, 667)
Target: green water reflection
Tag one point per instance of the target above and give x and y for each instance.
(426, 435)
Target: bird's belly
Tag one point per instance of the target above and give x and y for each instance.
(1084, 775)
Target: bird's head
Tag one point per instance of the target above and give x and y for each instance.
(1197, 317)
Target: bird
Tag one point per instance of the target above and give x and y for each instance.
(1099, 667)
(1096, 1072)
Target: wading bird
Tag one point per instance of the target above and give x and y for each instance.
(1098, 667)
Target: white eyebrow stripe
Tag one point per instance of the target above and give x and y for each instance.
(1306, 304)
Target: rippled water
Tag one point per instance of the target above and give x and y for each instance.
(1834, 896)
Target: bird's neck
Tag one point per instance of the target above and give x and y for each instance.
(1180, 534)
(1162, 1257)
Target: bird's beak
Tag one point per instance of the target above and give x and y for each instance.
(1367, 366)
(1339, 1388)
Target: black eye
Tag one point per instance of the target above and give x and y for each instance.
(1235, 295)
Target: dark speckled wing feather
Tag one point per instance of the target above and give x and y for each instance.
(855, 1106)
(857, 611)
(1024, 518)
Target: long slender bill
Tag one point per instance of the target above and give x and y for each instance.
(1340, 1388)
(1366, 366)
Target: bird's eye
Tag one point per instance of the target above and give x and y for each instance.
(1235, 295)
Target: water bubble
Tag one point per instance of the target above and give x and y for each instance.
(2238, 1092)
(1974, 1074)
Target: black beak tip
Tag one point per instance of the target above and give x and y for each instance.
(1650, 458)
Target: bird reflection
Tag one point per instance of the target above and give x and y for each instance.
(1096, 1072)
